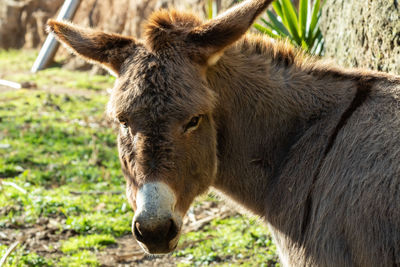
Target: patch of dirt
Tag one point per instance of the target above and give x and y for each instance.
(44, 238)
(127, 252)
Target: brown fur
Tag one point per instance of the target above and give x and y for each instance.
(108, 49)
(310, 148)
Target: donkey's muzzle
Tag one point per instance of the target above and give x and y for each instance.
(156, 225)
(158, 237)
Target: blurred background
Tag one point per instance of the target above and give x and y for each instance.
(62, 199)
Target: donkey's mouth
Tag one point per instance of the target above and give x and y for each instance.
(159, 246)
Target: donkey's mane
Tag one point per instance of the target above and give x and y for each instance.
(279, 51)
(168, 26)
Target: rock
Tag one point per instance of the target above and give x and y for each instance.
(29, 85)
(5, 146)
(364, 34)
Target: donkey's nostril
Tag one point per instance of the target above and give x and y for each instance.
(172, 231)
(155, 232)
(138, 233)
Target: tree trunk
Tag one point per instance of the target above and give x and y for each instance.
(22, 22)
(363, 33)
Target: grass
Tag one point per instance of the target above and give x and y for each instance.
(90, 241)
(248, 244)
(21, 257)
(81, 258)
(60, 149)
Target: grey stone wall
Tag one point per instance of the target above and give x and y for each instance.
(363, 33)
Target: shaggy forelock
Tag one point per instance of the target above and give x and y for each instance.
(160, 88)
(166, 28)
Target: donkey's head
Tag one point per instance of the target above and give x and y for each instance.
(167, 136)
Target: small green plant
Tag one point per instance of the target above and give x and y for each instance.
(300, 27)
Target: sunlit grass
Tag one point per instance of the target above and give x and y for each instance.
(21, 258)
(89, 241)
(80, 258)
(236, 239)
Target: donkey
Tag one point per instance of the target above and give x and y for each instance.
(310, 148)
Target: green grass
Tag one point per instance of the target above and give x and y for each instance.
(236, 239)
(60, 149)
(81, 258)
(22, 258)
(90, 241)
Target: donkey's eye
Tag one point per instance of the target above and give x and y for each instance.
(193, 123)
(123, 124)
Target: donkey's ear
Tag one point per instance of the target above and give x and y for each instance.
(110, 50)
(215, 35)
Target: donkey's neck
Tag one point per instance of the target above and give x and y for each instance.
(269, 97)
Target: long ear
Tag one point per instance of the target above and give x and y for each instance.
(228, 27)
(110, 50)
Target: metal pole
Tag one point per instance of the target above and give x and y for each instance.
(51, 45)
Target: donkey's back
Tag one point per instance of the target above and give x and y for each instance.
(365, 162)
